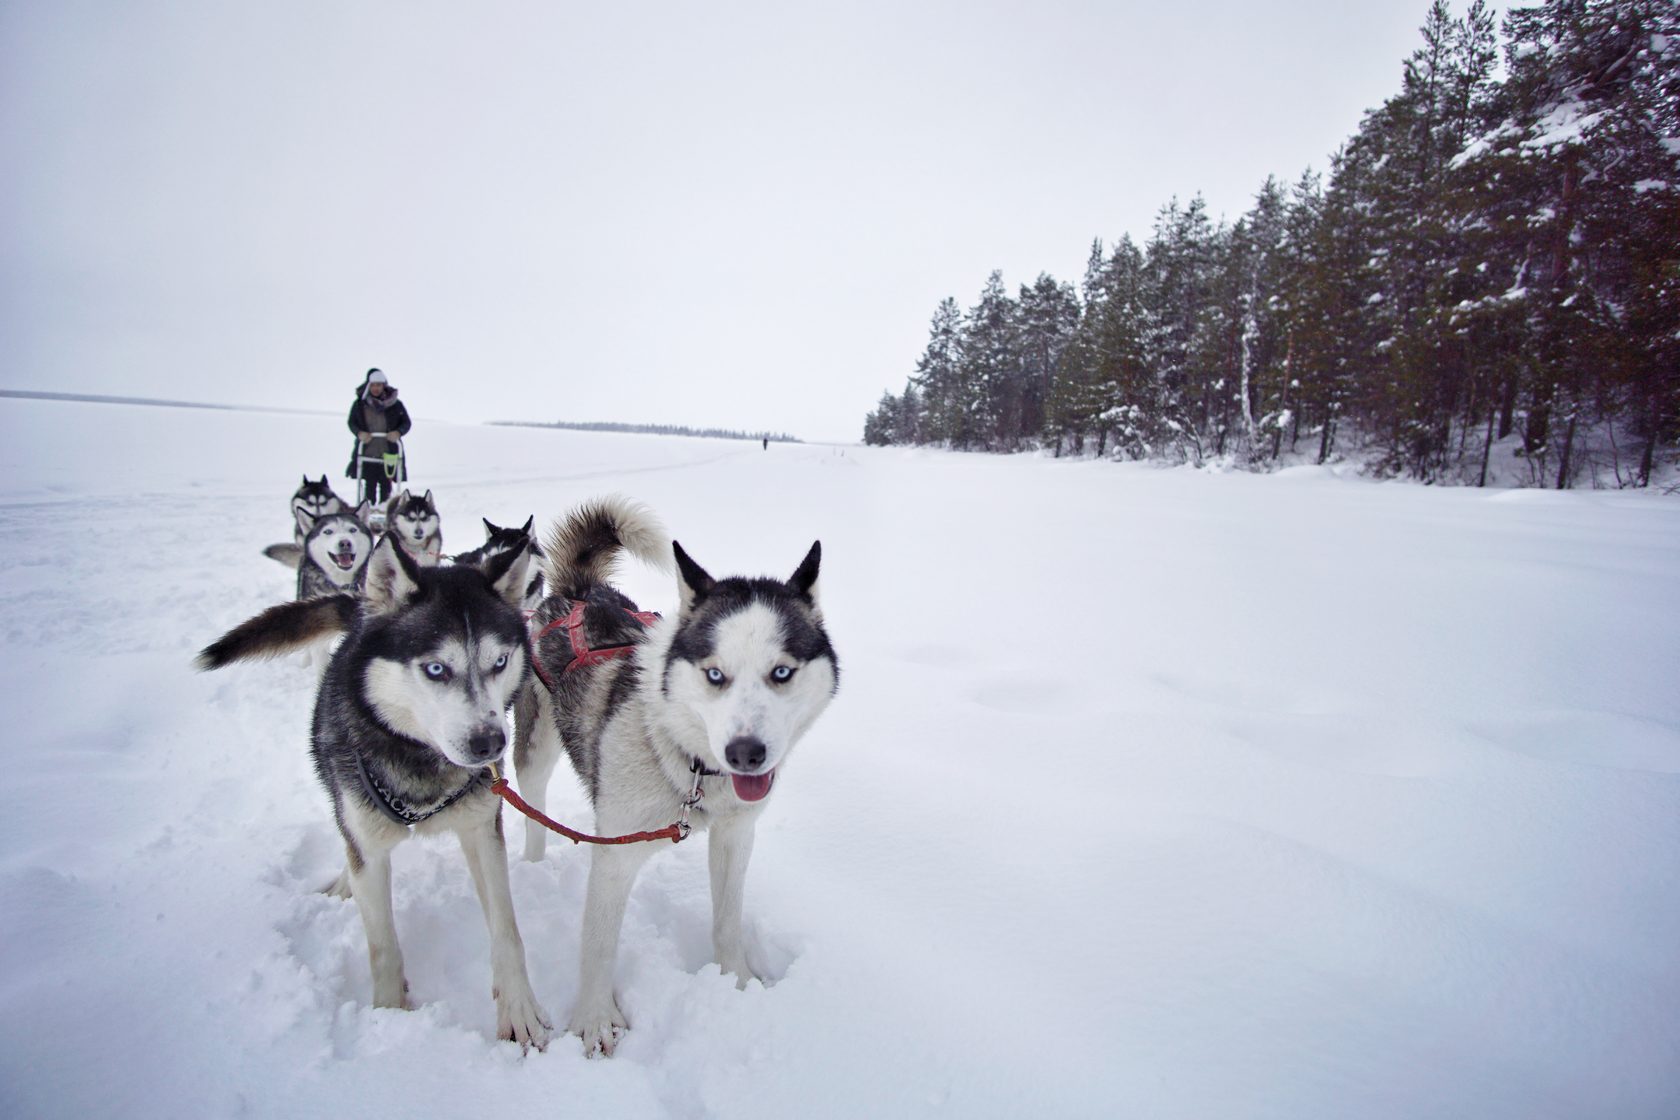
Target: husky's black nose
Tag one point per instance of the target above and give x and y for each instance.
(744, 753)
(486, 744)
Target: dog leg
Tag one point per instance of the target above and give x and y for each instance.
(518, 1016)
(730, 843)
(612, 871)
(370, 886)
(536, 750)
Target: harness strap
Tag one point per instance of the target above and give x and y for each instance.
(582, 654)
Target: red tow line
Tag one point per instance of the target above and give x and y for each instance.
(675, 833)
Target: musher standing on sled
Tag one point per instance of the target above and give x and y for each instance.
(379, 421)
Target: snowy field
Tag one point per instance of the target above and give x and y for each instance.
(1152, 793)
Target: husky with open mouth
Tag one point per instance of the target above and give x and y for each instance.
(649, 709)
(314, 498)
(336, 547)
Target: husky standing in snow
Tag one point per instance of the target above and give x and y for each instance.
(415, 522)
(336, 547)
(522, 539)
(711, 701)
(410, 712)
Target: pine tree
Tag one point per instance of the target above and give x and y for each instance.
(1179, 276)
(1121, 397)
(1048, 318)
(939, 377)
(994, 380)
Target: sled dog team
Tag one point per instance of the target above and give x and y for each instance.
(688, 716)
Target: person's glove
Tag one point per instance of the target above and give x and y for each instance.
(364, 436)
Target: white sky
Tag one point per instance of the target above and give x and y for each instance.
(706, 214)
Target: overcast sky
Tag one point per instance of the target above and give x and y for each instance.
(724, 214)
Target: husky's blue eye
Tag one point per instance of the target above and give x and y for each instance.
(716, 676)
(782, 674)
(436, 670)
(501, 663)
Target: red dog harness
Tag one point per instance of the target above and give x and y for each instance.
(582, 654)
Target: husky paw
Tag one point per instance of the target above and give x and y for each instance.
(520, 1019)
(339, 887)
(743, 972)
(601, 1033)
(387, 995)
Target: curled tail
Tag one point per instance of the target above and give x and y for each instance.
(280, 630)
(582, 546)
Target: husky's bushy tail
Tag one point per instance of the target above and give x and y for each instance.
(281, 629)
(290, 555)
(583, 546)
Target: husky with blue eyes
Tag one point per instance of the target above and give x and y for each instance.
(411, 712)
(705, 702)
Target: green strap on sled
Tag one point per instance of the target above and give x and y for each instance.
(393, 460)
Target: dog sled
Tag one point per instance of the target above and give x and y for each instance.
(390, 464)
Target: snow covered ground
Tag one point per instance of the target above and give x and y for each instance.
(1147, 793)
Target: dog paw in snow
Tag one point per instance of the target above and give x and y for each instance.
(520, 1019)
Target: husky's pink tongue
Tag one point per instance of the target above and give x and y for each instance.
(753, 787)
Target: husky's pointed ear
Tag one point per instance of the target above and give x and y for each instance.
(363, 511)
(804, 578)
(489, 528)
(323, 480)
(393, 578)
(305, 519)
(508, 572)
(429, 500)
(306, 480)
(529, 527)
(692, 580)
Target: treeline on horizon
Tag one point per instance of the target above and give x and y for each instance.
(1491, 258)
(649, 429)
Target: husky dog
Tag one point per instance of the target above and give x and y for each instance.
(712, 700)
(498, 539)
(315, 498)
(336, 547)
(415, 522)
(410, 711)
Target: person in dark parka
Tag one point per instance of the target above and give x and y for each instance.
(379, 421)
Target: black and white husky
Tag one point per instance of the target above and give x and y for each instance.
(498, 539)
(314, 498)
(336, 547)
(410, 712)
(415, 522)
(714, 698)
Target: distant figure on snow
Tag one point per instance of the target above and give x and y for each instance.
(379, 422)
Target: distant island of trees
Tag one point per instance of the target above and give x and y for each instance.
(649, 429)
(1494, 262)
